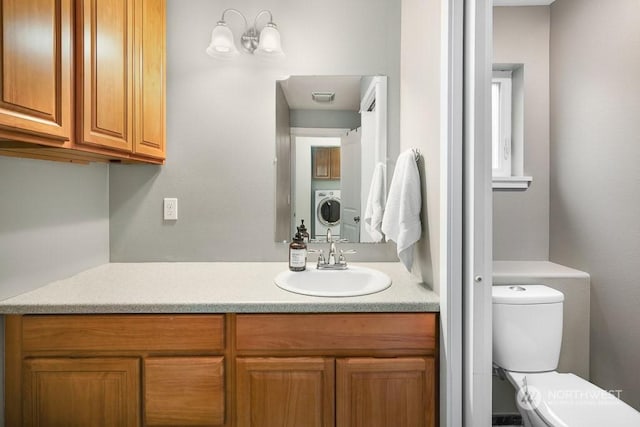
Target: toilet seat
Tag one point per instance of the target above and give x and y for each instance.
(566, 400)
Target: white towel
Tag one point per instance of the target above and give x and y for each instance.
(401, 222)
(375, 204)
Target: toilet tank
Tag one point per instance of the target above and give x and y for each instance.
(527, 327)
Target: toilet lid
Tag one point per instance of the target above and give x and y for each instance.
(568, 400)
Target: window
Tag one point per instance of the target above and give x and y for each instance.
(507, 142)
(501, 123)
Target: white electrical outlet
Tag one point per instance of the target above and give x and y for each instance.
(170, 209)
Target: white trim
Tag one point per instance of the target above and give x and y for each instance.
(511, 182)
(477, 215)
(369, 96)
(503, 81)
(377, 92)
(451, 161)
(522, 2)
(330, 132)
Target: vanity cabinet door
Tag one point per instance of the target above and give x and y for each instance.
(184, 391)
(285, 392)
(35, 73)
(81, 392)
(397, 392)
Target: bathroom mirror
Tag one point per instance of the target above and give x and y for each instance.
(331, 133)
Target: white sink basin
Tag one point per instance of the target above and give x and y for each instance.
(351, 282)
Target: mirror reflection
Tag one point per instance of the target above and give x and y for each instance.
(331, 133)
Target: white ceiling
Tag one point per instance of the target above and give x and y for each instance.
(297, 90)
(522, 2)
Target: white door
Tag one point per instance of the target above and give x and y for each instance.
(477, 214)
(369, 161)
(350, 154)
(373, 141)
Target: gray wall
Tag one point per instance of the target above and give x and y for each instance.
(54, 223)
(420, 128)
(283, 167)
(595, 191)
(221, 128)
(420, 122)
(521, 218)
(325, 119)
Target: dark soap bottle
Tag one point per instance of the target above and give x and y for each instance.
(303, 232)
(297, 253)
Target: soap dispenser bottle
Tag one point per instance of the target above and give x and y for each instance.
(303, 232)
(297, 253)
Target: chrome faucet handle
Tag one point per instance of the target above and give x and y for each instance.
(341, 259)
(321, 259)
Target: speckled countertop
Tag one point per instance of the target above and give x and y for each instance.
(216, 287)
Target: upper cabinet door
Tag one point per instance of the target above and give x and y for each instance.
(105, 65)
(35, 70)
(150, 77)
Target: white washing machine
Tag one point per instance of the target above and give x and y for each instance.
(327, 213)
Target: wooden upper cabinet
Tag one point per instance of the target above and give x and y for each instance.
(105, 37)
(321, 163)
(326, 163)
(334, 160)
(36, 70)
(83, 80)
(150, 78)
(121, 75)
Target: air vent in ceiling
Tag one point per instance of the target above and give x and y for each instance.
(323, 97)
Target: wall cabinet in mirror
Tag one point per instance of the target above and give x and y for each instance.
(326, 163)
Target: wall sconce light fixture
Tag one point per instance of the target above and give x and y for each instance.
(265, 42)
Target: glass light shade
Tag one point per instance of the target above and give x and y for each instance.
(269, 44)
(222, 45)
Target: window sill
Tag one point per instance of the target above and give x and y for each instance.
(511, 182)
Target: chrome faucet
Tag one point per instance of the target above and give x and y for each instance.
(331, 257)
(333, 261)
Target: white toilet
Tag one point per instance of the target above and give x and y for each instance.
(527, 333)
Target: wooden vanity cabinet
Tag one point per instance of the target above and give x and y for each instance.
(90, 87)
(184, 391)
(288, 391)
(233, 370)
(115, 370)
(89, 391)
(374, 392)
(344, 370)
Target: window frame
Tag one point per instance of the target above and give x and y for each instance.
(508, 175)
(504, 83)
